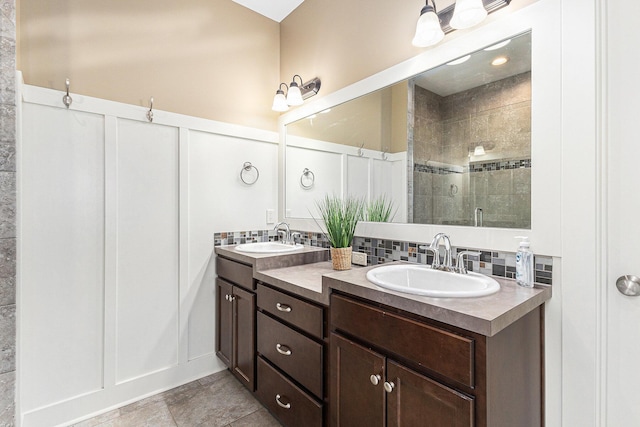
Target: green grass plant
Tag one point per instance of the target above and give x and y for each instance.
(380, 210)
(340, 216)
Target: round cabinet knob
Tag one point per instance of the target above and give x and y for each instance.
(388, 386)
(628, 285)
(375, 379)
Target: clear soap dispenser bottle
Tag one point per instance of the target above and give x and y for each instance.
(524, 263)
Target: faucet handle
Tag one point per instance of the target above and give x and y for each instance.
(293, 237)
(436, 255)
(460, 267)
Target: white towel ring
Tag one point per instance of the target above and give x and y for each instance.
(245, 172)
(309, 177)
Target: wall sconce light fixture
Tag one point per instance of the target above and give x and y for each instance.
(479, 150)
(279, 101)
(296, 93)
(428, 29)
(467, 13)
(433, 25)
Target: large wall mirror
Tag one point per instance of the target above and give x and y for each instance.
(458, 144)
(449, 146)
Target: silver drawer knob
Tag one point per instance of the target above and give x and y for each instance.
(388, 386)
(375, 379)
(282, 405)
(283, 307)
(283, 349)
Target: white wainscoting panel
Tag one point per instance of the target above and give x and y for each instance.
(357, 182)
(116, 218)
(342, 170)
(147, 248)
(217, 192)
(327, 171)
(61, 259)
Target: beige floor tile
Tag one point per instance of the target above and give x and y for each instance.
(100, 419)
(152, 415)
(219, 404)
(260, 418)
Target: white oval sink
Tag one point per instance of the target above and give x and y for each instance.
(423, 280)
(268, 247)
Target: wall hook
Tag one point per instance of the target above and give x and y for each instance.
(361, 150)
(150, 112)
(66, 100)
(384, 153)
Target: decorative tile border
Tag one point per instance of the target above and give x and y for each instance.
(501, 165)
(380, 251)
(435, 170)
(474, 167)
(239, 237)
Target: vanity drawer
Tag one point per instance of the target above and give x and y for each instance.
(291, 405)
(438, 350)
(304, 315)
(297, 355)
(235, 272)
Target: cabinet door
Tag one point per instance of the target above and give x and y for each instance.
(224, 324)
(244, 336)
(416, 400)
(355, 400)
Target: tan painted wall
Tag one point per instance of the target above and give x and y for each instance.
(206, 58)
(345, 41)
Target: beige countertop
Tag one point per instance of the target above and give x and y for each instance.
(306, 255)
(485, 315)
(315, 281)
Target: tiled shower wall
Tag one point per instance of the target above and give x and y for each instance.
(379, 251)
(496, 116)
(7, 211)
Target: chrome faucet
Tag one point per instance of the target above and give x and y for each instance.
(286, 233)
(446, 264)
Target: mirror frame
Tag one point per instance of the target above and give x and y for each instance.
(543, 19)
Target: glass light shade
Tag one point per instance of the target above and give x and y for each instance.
(428, 30)
(280, 102)
(467, 13)
(479, 151)
(294, 96)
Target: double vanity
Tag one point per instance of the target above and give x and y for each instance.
(322, 347)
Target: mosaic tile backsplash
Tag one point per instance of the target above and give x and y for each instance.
(380, 251)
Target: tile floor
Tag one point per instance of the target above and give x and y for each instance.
(216, 400)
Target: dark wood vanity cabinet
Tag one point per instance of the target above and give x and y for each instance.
(235, 323)
(389, 368)
(291, 357)
(393, 395)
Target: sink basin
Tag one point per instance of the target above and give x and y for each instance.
(423, 280)
(268, 247)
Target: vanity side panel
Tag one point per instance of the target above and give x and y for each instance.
(514, 374)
